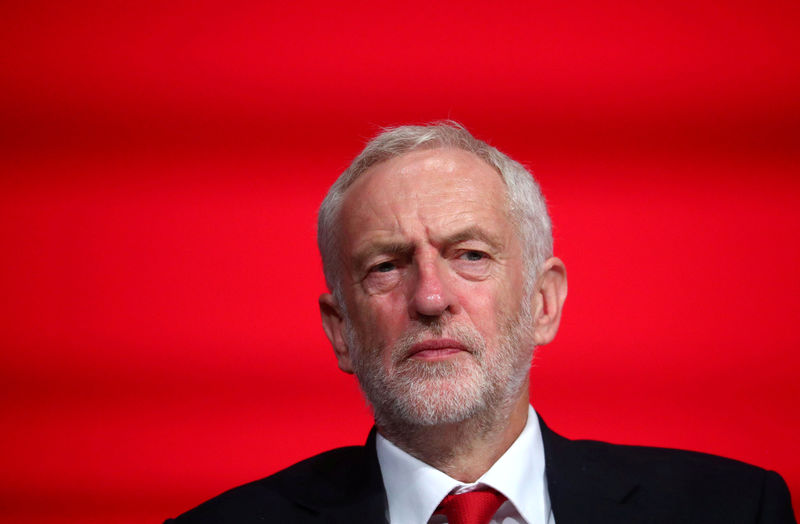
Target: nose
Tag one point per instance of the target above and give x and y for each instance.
(432, 294)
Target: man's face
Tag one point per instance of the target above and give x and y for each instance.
(437, 323)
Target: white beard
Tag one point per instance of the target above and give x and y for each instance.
(424, 393)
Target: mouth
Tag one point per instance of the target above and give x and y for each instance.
(436, 349)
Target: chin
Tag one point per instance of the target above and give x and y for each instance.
(429, 394)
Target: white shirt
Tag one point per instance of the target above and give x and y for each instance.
(415, 489)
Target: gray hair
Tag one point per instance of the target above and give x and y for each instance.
(526, 204)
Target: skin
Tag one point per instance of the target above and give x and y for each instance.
(426, 236)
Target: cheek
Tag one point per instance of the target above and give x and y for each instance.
(483, 308)
(490, 308)
(382, 317)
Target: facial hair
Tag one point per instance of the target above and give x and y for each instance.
(419, 393)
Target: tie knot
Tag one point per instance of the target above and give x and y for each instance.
(472, 507)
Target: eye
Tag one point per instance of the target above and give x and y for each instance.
(472, 264)
(383, 267)
(473, 256)
(383, 276)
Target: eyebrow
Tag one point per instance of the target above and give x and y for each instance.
(474, 233)
(406, 248)
(381, 248)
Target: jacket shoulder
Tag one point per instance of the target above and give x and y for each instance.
(686, 485)
(667, 462)
(294, 494)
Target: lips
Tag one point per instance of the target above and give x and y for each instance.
(436, 349)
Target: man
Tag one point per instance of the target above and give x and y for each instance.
(438, 253)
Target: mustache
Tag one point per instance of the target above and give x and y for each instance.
(468, 336)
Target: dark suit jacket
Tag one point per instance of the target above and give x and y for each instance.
(589, 482)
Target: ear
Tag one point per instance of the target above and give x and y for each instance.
(333, 324)
(548, 300)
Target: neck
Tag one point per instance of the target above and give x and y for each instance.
(464, 450)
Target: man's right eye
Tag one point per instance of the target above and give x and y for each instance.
(383, 267)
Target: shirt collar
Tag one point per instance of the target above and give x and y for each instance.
(414, 489)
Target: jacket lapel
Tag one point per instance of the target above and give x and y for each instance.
(348, 492)
(583, 487)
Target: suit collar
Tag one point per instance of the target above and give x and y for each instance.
(584, 487)
(350, 490)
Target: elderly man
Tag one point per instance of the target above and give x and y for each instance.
(438, 253)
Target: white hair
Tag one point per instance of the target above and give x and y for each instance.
(526, 204)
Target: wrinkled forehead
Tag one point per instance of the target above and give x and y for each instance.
(432, 192)
(428, 174)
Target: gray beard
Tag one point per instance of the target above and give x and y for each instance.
(415, 394)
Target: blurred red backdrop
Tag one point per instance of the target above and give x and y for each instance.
(161, 167)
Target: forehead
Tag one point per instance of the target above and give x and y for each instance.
(437, 188)
(439, 170)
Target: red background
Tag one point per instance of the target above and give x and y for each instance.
(161, 167)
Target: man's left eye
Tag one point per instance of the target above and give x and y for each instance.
(473, 256)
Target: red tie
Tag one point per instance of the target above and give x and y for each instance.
(472, 507)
